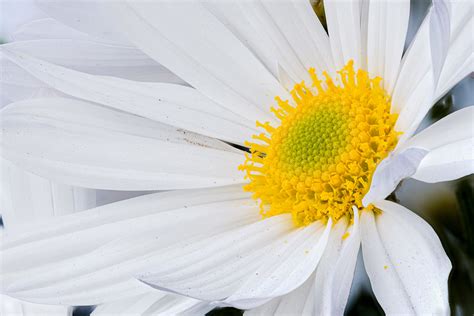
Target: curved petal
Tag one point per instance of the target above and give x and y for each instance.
(79, 143)
(90, 17)
(91, 257)
(288, 264)
(327, 290)
(95, 58)
(450, 142)
(297, 302)
(175, 105)
(336, 270)
(407, 266)
(13, 307)
(451, 128)
(388, 174)
(190, 41)
(26, 198)
(441, 151)
(439, 35)
(47, 28)
(447, 163)
(387, 29)
(344, 25)
(295, 35)
(153, 303)
(415, 92)
(460, 57)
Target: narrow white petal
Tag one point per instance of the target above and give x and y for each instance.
(460, 56)
(450, 144)
(294, 303)
(79, 143)
(414, 91)
(237, 18)
(447, 163)
(327, 290)
(452, 128)
(155, 302)
(47, 28)
(441, 151)
(90, 17)
(439, 35)
(190, 41)
(17, 84)
(92, 256)
(296, 35)
(407, 266)
(336, 270)
(288, 265)
(12, 307)
(27, 199)
(387, 28)
(175, 105)
(96, 58)
(344, 24)
(396, 167)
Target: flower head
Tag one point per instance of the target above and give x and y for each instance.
(161, 96)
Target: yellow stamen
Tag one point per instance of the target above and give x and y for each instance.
(319, 161)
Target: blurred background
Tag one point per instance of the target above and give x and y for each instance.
(448, 206)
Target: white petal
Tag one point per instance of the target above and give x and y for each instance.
(187, 39)
(407, 266)
(13, 307)
(326, 291)
(175, 105)
(460, 56)
(297, 37)
(387, 28)
(439, 35)
(335, 272)
(414, 91)
(450, 145)
(447, 163)
(344, 25)
(79, 143)
(28, 199)
(155, 302)
(396, 167)
(91, 257)
(284, 268)
(236, 17)
(47, 28)
(90, 17)
(297, 302)
(452, 128)
(17, 84)
(96, 58)
(443, 150)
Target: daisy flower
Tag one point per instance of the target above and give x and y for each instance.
(276, 144)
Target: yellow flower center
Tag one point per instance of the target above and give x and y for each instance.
(319, 161)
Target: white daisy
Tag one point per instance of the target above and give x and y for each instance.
(321, 162)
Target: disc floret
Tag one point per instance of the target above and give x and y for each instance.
(319, 161)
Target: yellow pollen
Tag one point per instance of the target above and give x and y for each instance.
(319, 161)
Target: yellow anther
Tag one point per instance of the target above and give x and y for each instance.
(319, 161)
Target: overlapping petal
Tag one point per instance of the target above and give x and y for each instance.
(80, 143)
(26, 198)
(407, 266)
(189, 40)
(387, 29)
(172, 104)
